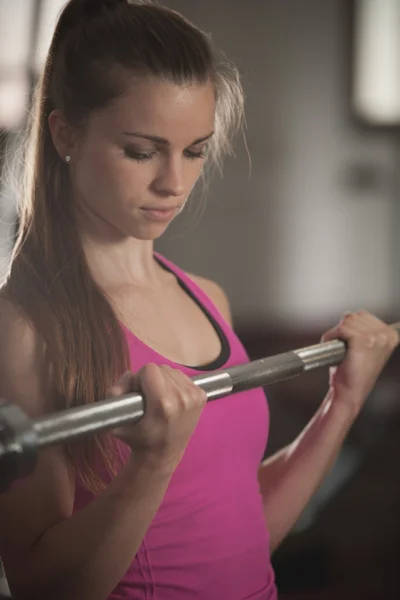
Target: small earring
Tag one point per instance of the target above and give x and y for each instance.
(68, 159)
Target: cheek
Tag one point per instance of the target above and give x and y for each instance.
(195, 172)
(96, 172)
(108, 179)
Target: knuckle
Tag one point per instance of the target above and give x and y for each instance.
(381, 339)
(168, 405)
(191, 397)
(349, 315)
(183, 395)
(362, 340)
(343, 331)
(203, 396)
(114, 391)
(329, 334)
(148, 369)
(176, 374)
(192, 394)
(191, 390)
(166, 371)
(369, 340)
(198, 394)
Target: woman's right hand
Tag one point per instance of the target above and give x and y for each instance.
(173, 405)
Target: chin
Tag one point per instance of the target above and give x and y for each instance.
(147, 233)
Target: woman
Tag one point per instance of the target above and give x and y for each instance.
(131, 105)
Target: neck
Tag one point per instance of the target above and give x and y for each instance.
(115, 259)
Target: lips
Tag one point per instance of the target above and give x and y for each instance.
(160, 208)
(160, 214)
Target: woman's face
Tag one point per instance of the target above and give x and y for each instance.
(141, 156)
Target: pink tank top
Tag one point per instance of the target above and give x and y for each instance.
(209, 539)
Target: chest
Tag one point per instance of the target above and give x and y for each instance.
(171, 322)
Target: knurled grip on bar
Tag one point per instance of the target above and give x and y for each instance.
(20, 437)
(106, 414)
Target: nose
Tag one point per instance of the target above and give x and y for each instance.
(169, 180)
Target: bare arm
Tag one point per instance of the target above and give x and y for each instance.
(85, 555)
(289, 478)
(49, 552)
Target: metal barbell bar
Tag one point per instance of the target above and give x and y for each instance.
(21, 437)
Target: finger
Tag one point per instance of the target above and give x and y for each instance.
(367, 321)
(359, 336)
(384, 334)
(180, 378)
(363, 320)
(152, 380)
(191, 393)
(354, 323)
(125, 384)
(335, 333)
(183, 381)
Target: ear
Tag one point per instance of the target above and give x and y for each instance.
(61, 134)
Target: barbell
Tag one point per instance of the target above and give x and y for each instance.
(22, 437)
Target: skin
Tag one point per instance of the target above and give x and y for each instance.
(182, 115)
(115, 176)
(82, 556)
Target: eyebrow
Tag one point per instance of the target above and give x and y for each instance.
(163, 141)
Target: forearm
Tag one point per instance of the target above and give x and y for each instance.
(85, 556)
(289, 478)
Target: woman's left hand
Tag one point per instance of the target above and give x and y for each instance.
(370, 344)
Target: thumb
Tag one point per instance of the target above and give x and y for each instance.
(126, 383)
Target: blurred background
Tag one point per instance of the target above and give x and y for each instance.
(302, 226)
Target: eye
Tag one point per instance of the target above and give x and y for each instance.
(192, 155)
(133, 154)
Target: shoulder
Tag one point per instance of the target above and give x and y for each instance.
(18, 336)
(22, 358)
(216, 294)
(50, 486)
(13, 324)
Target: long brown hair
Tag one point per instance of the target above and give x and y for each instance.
(95, 44)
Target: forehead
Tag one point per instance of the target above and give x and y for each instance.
(179, 113)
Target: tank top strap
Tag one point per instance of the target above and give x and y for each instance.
(237, 353)
(196, 290)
